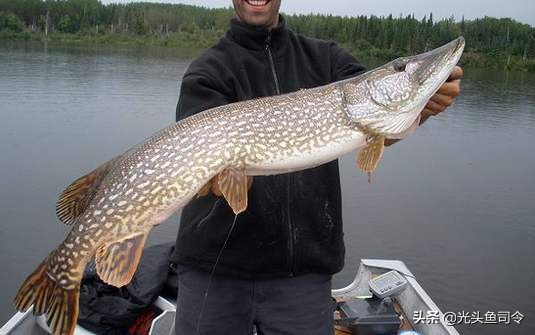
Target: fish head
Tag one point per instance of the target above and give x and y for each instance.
(388, 100)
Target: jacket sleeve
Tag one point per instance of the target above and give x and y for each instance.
(198, 93)
(344, 65)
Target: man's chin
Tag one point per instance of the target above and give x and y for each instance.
(258, 21)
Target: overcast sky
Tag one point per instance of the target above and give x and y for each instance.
(521, 10)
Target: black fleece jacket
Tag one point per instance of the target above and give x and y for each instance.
(293, 223)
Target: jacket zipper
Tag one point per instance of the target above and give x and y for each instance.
(290, 179)
(272, 63)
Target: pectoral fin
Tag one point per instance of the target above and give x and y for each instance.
(408, 131)
(369, 156)
(233, 185)
(116, 262)
(205, 189)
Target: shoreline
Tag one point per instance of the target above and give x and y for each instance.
(194, 43)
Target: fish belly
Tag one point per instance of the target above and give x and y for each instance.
(301, 160)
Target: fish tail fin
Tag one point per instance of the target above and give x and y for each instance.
(59, 304)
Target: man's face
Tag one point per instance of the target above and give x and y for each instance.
(263, 13)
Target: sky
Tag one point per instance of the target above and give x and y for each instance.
(521, 10)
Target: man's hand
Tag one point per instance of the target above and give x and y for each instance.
(445, 95)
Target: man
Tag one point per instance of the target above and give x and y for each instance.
(275, 271)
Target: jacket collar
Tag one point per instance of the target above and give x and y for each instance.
(257, 38)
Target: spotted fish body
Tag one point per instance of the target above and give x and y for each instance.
(113, 208)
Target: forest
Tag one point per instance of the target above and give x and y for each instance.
(491, 42)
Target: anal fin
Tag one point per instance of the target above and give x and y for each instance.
(117, 262)
(369, 156)
(233, 185)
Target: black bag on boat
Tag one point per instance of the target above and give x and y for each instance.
(105, 309)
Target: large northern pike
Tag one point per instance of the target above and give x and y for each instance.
(113, 208)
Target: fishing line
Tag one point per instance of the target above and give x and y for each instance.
(199, 319)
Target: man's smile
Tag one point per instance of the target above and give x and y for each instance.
(257, 3)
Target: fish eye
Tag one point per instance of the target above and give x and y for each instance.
(399, 65)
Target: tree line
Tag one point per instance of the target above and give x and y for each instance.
(380, 36)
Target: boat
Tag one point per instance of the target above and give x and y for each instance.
(410, 304)
(413, 304)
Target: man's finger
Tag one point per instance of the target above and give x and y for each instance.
(432, 108)
(441, 99)
(456, 73)
(452, 88)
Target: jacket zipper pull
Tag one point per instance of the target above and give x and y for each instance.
(267, 41)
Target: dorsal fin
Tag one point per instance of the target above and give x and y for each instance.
(117, 261)
(76, 197)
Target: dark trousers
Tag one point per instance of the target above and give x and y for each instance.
(283, 306)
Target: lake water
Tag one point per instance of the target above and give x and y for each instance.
(455, 201)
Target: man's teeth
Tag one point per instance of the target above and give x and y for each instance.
(257, 2)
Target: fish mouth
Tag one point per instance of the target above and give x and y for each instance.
(457, 48)
(439, 62)
(451, 50)
(257, 3)
(460, 44)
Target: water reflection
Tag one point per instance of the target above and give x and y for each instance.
(497, 99)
